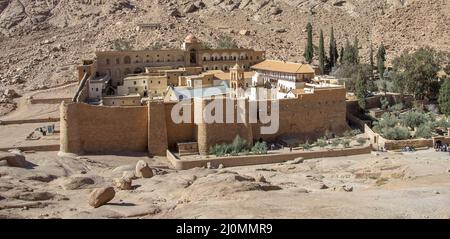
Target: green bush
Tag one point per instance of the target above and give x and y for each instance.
(424, 131)
(396, 133)
(321, 143)
(361, 141)
(238, 145)
(414, 119)
(355, 132)
(306, 145)
(346, 142)
(336, 142)
(259, 148)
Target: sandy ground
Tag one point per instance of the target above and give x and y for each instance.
(390, 185)
(386, 185)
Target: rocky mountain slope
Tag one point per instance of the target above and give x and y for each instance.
(42, 41)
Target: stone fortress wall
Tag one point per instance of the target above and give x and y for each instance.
(87, 129)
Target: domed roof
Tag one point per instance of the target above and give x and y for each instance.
(190, 38)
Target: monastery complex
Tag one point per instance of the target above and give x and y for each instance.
(125, 100)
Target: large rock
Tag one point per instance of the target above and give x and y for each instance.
(143, 170)
(124, 183)
(77, 182)
(101, 196)
(14, 160)
(174, 13)
(191, 8)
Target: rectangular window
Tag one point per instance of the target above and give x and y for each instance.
(96, 89)
(135, 83)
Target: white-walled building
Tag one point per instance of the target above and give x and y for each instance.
(282, 78)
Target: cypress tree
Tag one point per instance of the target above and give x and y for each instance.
(371, 57)
(333, 49)
(381, 58)
(309, 50)
(321, 54)
(341, 55)
(361, 89)
(356, 51)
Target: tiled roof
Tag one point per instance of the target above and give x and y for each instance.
(282, 66)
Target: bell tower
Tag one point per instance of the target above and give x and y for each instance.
(237, 81)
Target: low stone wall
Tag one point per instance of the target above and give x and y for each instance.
(379, 142)
(54, 147)
(234, 161)
(29, 121)
(49, 100)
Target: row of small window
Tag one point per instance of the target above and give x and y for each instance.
(127, 60)
(225, 58)
(225, 68)
(151, 82)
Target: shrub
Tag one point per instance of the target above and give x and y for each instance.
(306, 145)
(321, 143)
(443, 123)
(414, 119)
(336, 142)
(384, 103)
(347, 134)
(355, 132)
(346, 142)
(361, 140)
(238, 145)
(259, 148)
(424, 131)
(396, 133)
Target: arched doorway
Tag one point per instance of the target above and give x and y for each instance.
(193, 57)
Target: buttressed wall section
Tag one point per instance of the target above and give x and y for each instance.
(100, 129)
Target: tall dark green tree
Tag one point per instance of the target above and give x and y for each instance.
(444, 97)
(349, 55)
(309, 49)
(341, 55)
(416, 72)
(381, 58)
(333, 49)
(355, 49)
(361, 89)
(371, 57)
(321, 54)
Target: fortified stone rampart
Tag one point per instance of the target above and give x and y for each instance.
(99, 129)
(102, 129)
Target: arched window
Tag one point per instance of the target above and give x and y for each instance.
(127, 60)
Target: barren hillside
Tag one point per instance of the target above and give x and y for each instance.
(42, 41)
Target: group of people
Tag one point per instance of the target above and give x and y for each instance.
(440, 147)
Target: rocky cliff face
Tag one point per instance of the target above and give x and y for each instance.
(42, 41)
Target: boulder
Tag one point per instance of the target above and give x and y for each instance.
(347, 188)
(14, 160)
(73, 183)
(323, 186)
(191, 8)
(124, 183)
(129, 174)
(101, 196)
(143, 170)
(174, 13)
(244, 32)
(260, 178)
(275, 11)
(200, 4)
